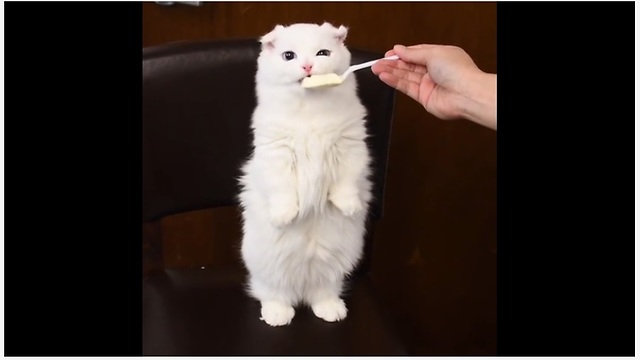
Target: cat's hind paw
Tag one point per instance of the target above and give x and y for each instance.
(330, 310)
(276, 314)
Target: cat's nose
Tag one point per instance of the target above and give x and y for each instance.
(307, 68)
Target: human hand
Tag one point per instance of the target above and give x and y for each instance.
(438, 77)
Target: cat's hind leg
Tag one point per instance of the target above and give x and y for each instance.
(276, 313)
(277, 308)
(326, 303)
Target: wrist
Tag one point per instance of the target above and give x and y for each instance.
(478, 101)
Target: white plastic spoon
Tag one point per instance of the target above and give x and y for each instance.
(332, 79)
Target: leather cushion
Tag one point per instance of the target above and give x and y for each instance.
(206, 312)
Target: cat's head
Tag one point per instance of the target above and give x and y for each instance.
(290, 53)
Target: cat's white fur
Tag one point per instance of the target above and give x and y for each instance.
(306, 188)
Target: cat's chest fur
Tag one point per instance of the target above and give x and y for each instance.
(311, 137)
(313, 145)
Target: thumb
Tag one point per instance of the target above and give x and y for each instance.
(419, 54)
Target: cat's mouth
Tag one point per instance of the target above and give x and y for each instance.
(306, 76)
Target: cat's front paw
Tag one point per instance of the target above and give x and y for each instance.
(348, 204)
(282, 214)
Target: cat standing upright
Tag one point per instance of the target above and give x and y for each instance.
(305, 190)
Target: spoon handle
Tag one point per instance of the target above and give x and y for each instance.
(369, 63)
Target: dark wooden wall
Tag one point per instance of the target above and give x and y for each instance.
(434, 255)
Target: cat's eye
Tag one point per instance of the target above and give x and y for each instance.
(323, 53)
(288, 55)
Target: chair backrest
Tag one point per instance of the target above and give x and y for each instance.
(198, 98)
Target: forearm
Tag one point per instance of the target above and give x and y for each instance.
(344, 193)
(276, 180)
(352, 161)
(479, 102)
(275, 173)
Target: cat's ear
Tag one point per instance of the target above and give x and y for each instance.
(339, 33)
(269, 39)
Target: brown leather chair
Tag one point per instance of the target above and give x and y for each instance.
(197, 103)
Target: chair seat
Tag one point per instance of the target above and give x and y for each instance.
(207, 312)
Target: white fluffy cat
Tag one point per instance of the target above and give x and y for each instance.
(306, 188)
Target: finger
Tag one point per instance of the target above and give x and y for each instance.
(399, 64)
(389, 53)
(412, 76)
(423, 46)
(417, 68)
(377, 68)
(382, 66)
(403, 85)
(419, 54)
